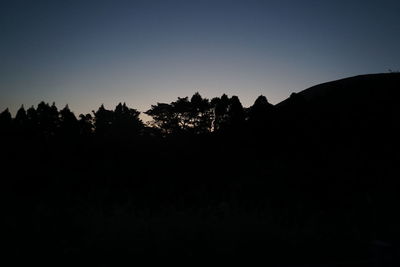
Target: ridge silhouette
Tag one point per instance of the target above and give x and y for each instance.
(311, 180)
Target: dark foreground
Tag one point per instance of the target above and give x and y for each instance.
(312, 182)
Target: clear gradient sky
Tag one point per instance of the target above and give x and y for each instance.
(89, 52)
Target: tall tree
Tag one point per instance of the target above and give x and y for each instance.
(201, 114)
(5, 122)
(220, 106)
(85, 123)
(21, 116)
(68, 123)
(183, 111)
(229, 114)
(21, 120)
(236, 113)
(183, 115)
(103, 120)
(32, 117)
(259, 114)
(48, 118)
(126, 121)
(164, 118)
(120, 122)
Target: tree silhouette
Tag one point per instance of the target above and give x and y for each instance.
(236, 113)
(220, 106)
(260, 113)
(126, 121)
(164, 118)
(183, 116)
(48, 118)
(5, 116)
(103, 119)
(182, 109)
(21, 116)
(229, 114)
(85, 123)
(69, 126)
(201, 114)
(21, 121)
(122, 122)
(5, 122)
(32, 123)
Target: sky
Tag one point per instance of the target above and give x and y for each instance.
(91, 52)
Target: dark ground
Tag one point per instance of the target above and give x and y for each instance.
(316, 186)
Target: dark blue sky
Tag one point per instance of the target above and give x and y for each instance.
(86, 53)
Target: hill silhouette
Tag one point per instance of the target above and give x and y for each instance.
(354, 118)
(313, 179)
(381, 86)
(360, 96)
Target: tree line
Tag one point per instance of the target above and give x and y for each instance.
(194, 116)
